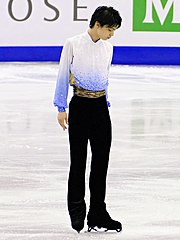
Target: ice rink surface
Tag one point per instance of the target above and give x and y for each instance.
(143, 185)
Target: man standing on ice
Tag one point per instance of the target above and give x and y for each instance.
(84, 64)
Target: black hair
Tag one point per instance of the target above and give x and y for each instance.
(106, 16)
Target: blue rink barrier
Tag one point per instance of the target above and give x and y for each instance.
(122, 55)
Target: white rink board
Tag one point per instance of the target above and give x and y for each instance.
(50, 22)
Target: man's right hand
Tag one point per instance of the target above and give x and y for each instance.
(63, 119)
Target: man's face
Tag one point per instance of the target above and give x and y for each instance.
(105, 32)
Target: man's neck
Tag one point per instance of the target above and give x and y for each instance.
(93, 35)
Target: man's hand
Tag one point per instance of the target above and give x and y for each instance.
(62, 119)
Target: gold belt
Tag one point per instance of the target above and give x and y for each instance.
(81, 92)
(88, 93)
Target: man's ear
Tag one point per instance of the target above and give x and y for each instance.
(97, 24)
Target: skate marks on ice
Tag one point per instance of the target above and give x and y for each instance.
(143, 182)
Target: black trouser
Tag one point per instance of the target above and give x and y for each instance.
(88, 120)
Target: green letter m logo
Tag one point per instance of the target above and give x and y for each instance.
(156, 15)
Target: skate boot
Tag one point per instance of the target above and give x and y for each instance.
(77, 212)
(102, 220)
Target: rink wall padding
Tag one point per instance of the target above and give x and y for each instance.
(122, 55)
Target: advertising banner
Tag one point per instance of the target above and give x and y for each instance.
(35, 30)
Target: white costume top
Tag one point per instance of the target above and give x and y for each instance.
(89, 63)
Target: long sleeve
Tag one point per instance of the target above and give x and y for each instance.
(109, 65)
(62, 85)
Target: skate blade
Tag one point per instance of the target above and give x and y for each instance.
(102, 230)
(96, 229)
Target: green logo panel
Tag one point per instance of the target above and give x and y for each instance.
(156, 16)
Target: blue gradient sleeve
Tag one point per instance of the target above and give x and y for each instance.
(62, 85)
